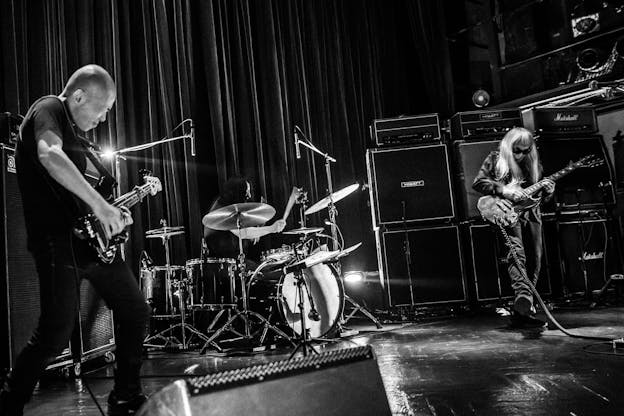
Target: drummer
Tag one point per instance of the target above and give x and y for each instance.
(236, 190)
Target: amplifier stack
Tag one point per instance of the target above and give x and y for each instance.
(413, 209)
(432, 245)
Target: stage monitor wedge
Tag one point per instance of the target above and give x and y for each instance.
(334, 383)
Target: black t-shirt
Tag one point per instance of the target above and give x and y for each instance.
(49, 208)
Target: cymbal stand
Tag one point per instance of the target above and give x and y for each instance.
(244, 313)
(167, 334)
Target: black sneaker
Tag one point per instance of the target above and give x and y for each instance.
(526, 322)
(523, 305)
(121, 406)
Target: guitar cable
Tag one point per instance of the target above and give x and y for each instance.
(78, 280)
(550, 316)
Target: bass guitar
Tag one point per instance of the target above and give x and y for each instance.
(491, 211)
(89, 228)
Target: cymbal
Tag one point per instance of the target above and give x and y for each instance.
(164, 232)
(348, 250)
(336, 196)
(243, 215)
(304, 230)
(321, 257)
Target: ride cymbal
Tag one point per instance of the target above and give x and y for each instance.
(336, 196)
(243, 215)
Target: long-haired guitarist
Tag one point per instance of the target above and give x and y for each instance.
(504, 173)
(51, 160)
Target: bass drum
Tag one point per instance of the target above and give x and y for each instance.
(271, 291)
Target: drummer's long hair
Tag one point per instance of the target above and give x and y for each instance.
(235, 189)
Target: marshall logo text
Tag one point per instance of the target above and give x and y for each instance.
(566, 117)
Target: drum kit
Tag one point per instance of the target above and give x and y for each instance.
(295, 294)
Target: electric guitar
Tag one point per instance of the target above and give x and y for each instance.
(490, 210)
(89, 228)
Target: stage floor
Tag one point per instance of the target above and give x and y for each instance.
(463, 365)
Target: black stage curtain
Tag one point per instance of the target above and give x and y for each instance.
(246, 72)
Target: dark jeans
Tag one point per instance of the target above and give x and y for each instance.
(526, 239)
(61, 262)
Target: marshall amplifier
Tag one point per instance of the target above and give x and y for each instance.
(410, 184)
(406, 130)
(561, 120)
(484, 123)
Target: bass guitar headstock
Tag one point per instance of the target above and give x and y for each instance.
(153, 183)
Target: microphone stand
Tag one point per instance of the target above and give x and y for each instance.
(333, 213)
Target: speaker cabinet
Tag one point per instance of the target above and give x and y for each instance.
(96, 335)
(588, 187)
(20, 285)
(489, 265)
(340, 382)
(469, 156)
(435, 274)
(587, 254)
(410, 182)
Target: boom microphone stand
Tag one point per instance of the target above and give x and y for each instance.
(333, 213)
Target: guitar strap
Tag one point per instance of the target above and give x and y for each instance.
(106, 182)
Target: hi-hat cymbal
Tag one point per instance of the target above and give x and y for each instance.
(336, 196)
(321, 257)
(304, 230)
(243, 215)
(164, 232)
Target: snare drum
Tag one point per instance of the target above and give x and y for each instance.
(213, 281)
(282, 254)
(159, 293)
(273, 291)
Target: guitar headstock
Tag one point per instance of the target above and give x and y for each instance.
(154, 184)
(589, 161)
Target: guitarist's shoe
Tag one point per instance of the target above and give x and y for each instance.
(523, 305)
(121, 406)
(526, 322)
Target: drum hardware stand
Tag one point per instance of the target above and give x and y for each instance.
(245, 312)
(359, 308)
(181, 285)
(305, 344)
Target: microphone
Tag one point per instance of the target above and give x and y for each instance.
(314, 315)
(192, 136)
(297, 151)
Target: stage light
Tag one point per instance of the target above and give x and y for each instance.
(108, 153)
(480, 98)
(353, 277)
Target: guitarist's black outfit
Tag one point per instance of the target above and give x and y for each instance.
(526, 238)
(62, 261)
